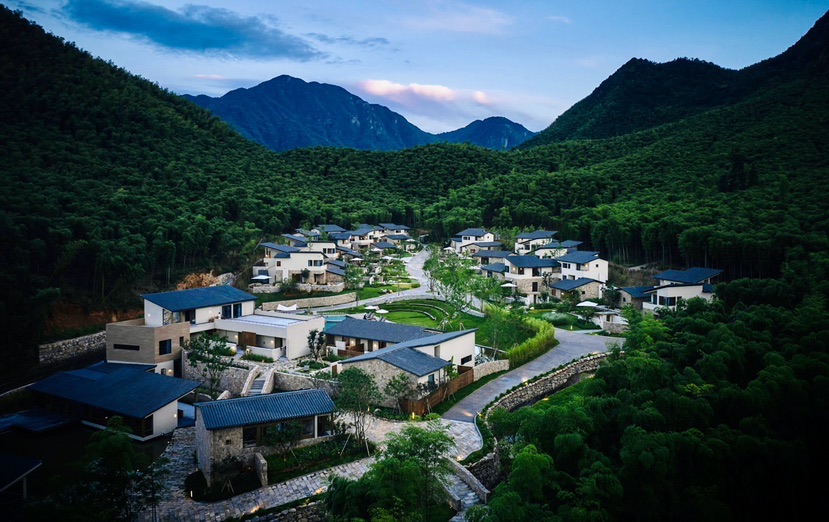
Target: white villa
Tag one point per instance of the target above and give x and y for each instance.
(674, 286)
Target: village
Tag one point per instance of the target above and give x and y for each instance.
(255, 370)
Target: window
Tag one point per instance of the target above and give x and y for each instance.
(466, 359)
(237, 310)
(226, 312)
(190, 316)
(165, 347)
(181, 341)
(131, 347)
(250, 436)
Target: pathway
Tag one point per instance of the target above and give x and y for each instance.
(572, 346)
(176, 506)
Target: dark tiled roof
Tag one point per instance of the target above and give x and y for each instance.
(108, 367)
(336, 262)
(637, 292)
(692, 275)
(538, 234)
(488, 244)
(384, 245)
(348, 251)
(530, 262)
(392, 226)
(407, 359)
(492, 253)
(335, 270)
(398, 237)
(495, 267)
(281, 248)
(331, 228)
(566, 285)
(264, 409)
(340, 235)
(579, 257)
(477, 232)
(436, 339)
(125, 391)
(377, 330)
(198, 298)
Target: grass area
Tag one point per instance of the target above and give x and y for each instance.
(563, 397)
(313, 458)
(565, 321)
(461, 394)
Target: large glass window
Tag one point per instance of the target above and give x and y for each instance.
(165, 347)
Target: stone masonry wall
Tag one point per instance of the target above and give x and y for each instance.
(488, 368)
(312, 302)
(70, 348)
(289, 382)
(487, 470)
(311, 513)
(233, 379)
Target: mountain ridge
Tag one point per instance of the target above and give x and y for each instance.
(286, 113)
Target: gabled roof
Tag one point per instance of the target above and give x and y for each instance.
(398, 237)
(364, 229)
(126, 391)
(566, 285)
(538, 234)
(530, 262)
(340, 235)
(706, 288)
(377, 330)
(477, 232)
(336, 262)
(384, 245)
(181, 300)
(492, 253)
(692, 275)
(435, 339)
(407, 359)
(487, 244)
(281, 248)
(348, 251)
(637, 292)
(299, 240)
(108, 367)
(495, 267)
(264, 409)
(569, 243)
(578, 257)
(392, 226)
(335, 270)
(331, 229)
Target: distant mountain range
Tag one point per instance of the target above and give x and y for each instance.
(287, 113)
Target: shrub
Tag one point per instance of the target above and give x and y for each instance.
(257, 358)
(543, 341)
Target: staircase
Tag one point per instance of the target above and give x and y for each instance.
(256, 387)
(461, 494)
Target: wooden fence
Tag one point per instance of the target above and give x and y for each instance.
(443, 392)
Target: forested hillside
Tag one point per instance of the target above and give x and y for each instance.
(112, 185)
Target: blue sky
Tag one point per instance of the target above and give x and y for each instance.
(439, 63)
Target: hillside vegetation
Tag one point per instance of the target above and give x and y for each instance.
(112, 185)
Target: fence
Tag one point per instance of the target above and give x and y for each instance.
(444, 391)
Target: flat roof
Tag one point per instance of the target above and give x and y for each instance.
(266, 320)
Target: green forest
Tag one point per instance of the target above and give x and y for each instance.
(714, 412)
(112, 186)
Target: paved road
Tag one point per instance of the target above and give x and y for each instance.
(572, 346)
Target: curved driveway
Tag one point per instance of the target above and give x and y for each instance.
(572, 345)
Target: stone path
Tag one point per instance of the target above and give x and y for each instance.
(176, 506)
(572, 346)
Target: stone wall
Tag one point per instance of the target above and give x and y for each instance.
(312, 302)
(290, 382)
(233, 379)
(488, 368)
(471, 480)
(311, 513)
(487, 470)
(260, 465)
(68, 349)
(547, 384)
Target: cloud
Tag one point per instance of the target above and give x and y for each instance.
(349, 40)
(460, 18)
(560, 19)
(193, 28)
(412, 91)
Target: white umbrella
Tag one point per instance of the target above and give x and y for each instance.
(372, 307)
(509, 285)
(588, 303)
(381, 312)
(449, 249)
(260, 278)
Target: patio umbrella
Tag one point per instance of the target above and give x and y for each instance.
(588, 303)
(381, 311)
(372, 307)
(509, 285)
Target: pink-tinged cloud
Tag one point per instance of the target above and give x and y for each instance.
(400, 92)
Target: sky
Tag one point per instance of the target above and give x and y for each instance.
(440, 63)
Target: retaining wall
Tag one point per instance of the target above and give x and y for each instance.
(488, 368)
(233, 378)
(290, 382)
(71, 348)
